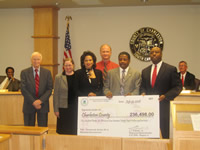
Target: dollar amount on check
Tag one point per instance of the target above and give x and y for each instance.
(121, 116)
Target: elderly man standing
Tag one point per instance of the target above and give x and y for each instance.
(36, 87)
(105, 64)
(123, 80)
(161, 79)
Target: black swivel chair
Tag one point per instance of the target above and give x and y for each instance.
(197, 84)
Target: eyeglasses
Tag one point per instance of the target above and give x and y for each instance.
(68, 65)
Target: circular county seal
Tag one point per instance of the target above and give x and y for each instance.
(143, 40)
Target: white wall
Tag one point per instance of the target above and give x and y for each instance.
(91, 27)
(16, 44)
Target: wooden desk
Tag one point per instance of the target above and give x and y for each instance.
(11, 114)
(146, 144)
(4, 141)
(70, 142)
(23, 130)
(193, 96)
(11, 107)
(25, 138)
(11, 104)
(62, 142)
(184, 138)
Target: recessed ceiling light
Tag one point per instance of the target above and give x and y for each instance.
(88, 2)
(144, 1)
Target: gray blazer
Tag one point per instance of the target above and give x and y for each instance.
(28, 89)
(60, 97)
(132, 82)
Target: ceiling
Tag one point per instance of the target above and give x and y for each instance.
(92, 3)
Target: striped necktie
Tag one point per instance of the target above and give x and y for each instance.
(37, 81)
(105, 71)
(122, 82)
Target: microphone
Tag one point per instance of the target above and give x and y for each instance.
(88, 74)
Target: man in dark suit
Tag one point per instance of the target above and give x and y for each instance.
(188, 79)
(161, 79)
(36, 87)
(118, 84)
(9, 82)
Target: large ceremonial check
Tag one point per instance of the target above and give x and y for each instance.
(121, 116)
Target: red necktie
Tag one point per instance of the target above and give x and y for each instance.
(154, 76)
(182, 80)
(37, 81)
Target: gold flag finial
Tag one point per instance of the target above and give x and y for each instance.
(68, 18)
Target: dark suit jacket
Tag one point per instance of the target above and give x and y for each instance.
(28, 89)
(167, 83)
(189, 82)
(13, 85)
(84, 87)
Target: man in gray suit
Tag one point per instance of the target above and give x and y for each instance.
(122, 80)
(36, 87)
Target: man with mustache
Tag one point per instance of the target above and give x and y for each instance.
(122, 80)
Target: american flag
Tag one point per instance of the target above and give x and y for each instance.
(67, 52)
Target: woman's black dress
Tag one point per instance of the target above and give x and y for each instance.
(67, 123)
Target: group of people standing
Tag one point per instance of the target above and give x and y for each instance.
(113, 80)
(95, 79)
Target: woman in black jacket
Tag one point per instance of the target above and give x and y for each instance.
(88, 80)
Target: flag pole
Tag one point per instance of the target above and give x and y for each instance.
(67, 40)
(68, 18)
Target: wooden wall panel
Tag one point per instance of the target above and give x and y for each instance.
(11, 109)
(21, 142)
(11, 104)
(146, 144)
(4, 145)
(188, 144)
(4, 141)
(45, 21)
(46, 36)
(67, 142)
